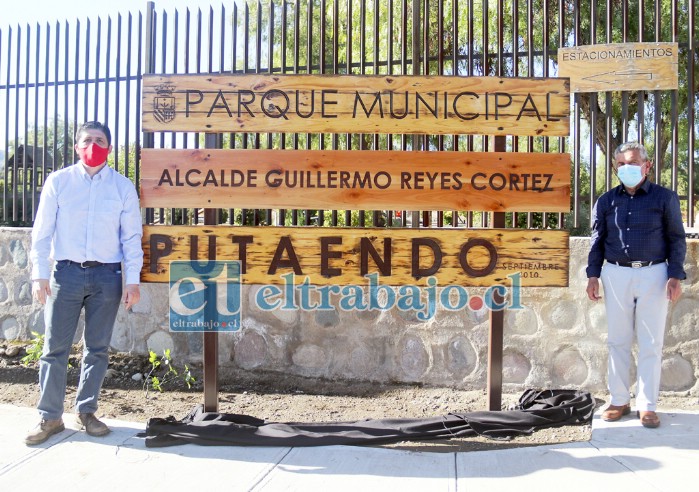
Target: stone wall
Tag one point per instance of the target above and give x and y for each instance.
(556, 340)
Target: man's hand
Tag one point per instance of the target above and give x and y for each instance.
(41, 290)
(593, 289)
(133, 295)
(674, 289)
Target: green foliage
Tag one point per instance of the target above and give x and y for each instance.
(123, 160)
(34, 350)
(57, 138)
(163, 371)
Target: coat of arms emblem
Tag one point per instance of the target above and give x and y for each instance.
(164, 104)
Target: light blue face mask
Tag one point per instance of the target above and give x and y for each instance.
(630, 175)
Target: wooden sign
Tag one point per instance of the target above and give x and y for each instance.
(619, 67)
(360, 180)
(343, 256)
(356, 104)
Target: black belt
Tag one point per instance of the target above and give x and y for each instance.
(637, 264)
(87, 264)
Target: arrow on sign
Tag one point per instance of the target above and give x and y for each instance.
(616, 77)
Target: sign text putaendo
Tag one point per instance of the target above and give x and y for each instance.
(344, 256)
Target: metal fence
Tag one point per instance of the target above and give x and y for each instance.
(56, 75)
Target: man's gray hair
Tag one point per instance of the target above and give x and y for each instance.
(626, 146)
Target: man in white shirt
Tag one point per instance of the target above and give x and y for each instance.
(89, 223)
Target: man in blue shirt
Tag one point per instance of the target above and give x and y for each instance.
(638, 234)
(89, 223)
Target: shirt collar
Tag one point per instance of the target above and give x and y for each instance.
(621, 189)
(102, 174)
(646, 185)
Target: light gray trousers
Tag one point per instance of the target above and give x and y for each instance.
(636, 301)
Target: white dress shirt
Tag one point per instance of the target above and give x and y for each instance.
(82, 218)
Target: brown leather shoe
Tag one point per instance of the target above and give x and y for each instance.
(615, 412)
(649, 419)
(44, 430)
(92, 425)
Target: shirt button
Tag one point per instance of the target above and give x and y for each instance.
(627, 229)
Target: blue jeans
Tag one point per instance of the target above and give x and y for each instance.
(97, 289)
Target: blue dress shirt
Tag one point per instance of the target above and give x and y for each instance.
(83, 218)
(646, 226)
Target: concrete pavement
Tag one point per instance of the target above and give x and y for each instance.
(621, 456)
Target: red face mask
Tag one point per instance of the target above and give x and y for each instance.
(93, 155)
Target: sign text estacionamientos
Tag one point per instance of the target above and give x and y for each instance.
(356, 104)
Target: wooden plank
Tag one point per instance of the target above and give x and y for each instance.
(329, 256)
(355, 180)
(356, 104)
(619, 66)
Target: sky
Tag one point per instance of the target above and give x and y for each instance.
(15, 12)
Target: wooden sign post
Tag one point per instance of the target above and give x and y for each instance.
(496, 334)
(379, 180)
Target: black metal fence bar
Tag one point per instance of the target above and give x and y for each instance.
(691, 102)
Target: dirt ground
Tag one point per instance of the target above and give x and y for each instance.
(284, 398)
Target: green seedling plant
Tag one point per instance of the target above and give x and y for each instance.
(34, 350)
(163, 371)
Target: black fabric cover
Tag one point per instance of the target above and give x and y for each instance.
(536, 409)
